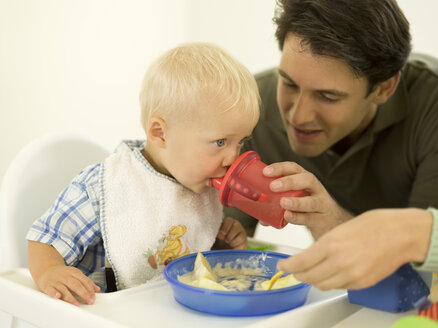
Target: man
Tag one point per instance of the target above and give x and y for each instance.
(349, 119)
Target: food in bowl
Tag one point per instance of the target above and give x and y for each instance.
(232, 277)
(235, 303)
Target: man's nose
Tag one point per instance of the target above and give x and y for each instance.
(301, 111)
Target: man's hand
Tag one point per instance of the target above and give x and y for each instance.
(364, 250)
(318, 210)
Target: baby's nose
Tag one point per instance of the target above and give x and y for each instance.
(230, 158)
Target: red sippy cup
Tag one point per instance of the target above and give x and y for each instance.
(244, 186)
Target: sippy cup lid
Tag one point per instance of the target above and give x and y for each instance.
(223, 184)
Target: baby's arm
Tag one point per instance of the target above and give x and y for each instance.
(233, 233)
(57, 280)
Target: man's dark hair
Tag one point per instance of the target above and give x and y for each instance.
(371, 36)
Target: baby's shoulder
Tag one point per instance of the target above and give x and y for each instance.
(87, 182)
(89, 174)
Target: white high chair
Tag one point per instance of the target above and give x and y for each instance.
(291, 235)
(33, 181)
(39, 172)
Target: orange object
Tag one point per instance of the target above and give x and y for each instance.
(431, 312)
(244, 186)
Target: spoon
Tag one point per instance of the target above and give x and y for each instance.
(274, 279)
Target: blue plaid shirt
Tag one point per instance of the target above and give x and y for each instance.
(71, 225)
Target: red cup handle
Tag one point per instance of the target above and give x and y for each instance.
(247, 191)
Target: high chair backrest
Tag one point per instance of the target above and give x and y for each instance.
(39, 172)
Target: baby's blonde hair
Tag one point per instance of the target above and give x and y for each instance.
(174, 82)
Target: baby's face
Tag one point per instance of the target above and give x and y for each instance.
(205, 147)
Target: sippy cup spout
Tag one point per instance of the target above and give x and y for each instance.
(216, 183)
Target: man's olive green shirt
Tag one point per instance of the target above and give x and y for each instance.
(394, 164)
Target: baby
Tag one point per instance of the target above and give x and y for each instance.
(150, 202)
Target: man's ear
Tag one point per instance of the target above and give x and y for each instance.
(385, 89)
(156, 131)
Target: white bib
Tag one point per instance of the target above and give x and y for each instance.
(148, 219)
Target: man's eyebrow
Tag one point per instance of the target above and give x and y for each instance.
(334, 92)
(283, 74)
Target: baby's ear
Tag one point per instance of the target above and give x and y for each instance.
(156, 131)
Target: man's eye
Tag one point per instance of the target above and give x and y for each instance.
(220, 142)
(328, 98)
(290, 85)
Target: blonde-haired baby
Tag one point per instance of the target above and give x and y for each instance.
(119, 222)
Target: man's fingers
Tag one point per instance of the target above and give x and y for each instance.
(318, 273)
(303, 181)
(296, 218)
(281, 169)
(306, 204)
(347, 278)
(336, 281)
(303, 261)
(299, 218)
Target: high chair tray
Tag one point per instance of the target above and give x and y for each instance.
(151, 305)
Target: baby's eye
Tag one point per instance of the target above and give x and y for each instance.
(220, 142)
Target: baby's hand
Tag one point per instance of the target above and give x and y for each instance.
(69, 284)
(233, 233)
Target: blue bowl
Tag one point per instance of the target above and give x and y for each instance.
(235, 303)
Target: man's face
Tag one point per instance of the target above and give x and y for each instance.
(321, 100)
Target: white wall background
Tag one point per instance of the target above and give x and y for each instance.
(76, 66)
